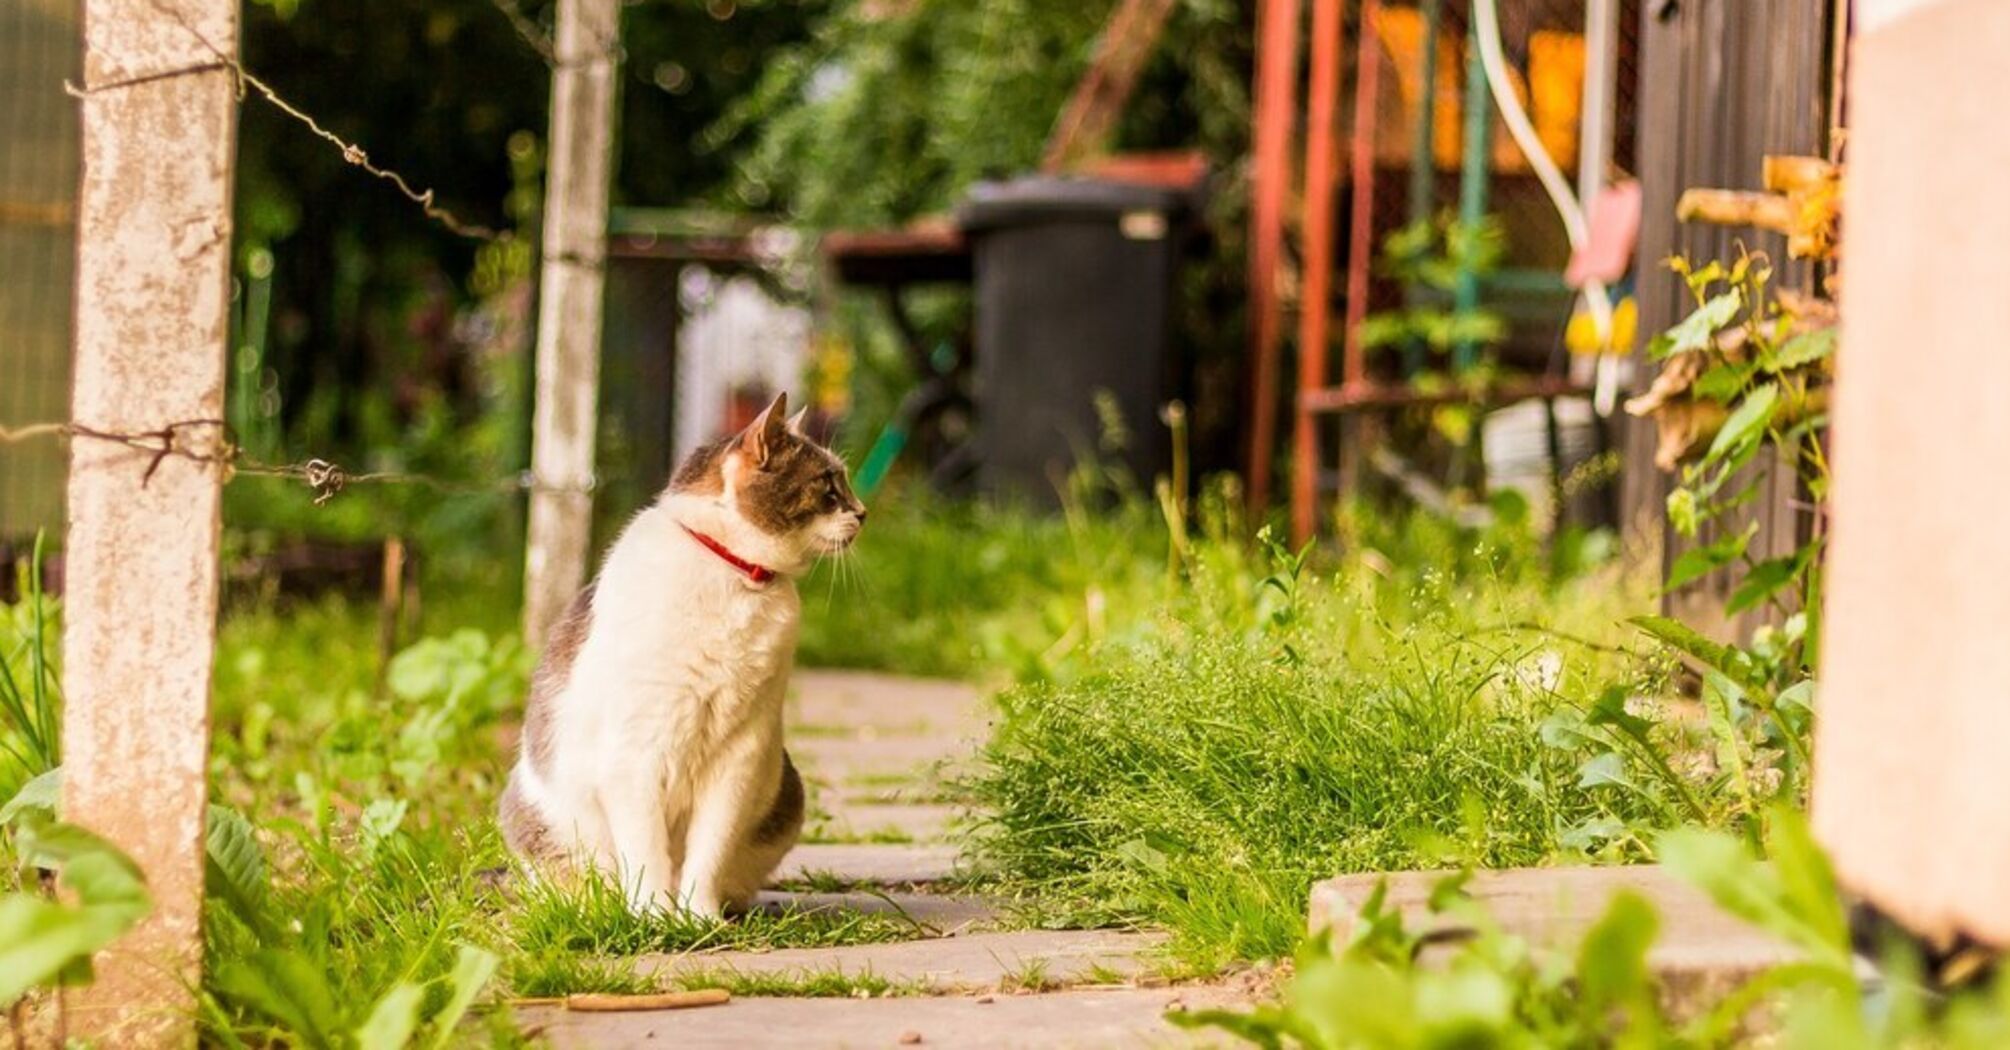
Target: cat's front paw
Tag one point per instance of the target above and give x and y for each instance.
(705, 906)
(651, 900)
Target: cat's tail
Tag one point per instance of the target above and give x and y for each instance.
(524, 828)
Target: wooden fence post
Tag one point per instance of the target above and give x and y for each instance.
(569, 309)
(153, 270)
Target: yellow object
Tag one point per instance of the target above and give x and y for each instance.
(1581, 336)
(1552, 91)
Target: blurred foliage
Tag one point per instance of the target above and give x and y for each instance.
(888, 111)
(363, 326)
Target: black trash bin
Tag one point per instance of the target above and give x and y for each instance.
(1074, 289)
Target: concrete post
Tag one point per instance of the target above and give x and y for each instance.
(569, 309)
(153, 270)
(1911, 783)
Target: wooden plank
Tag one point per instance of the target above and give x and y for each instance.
(569, 309)
(1723, 83)
(1910, 779)
(153, 270)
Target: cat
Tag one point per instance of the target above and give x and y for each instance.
(652, 739)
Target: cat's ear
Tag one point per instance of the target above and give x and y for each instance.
(796, 421)
(764, 434)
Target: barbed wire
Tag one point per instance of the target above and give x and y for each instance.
(205, 441)
(351, 152)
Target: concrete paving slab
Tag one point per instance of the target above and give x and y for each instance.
(836, 817)
(882, 865)
(1701, 948)
(894, 704)
(839, 759)
(948, 914)
(945, 964)
(1127, 1017)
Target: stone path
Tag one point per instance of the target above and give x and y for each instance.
(875, 752)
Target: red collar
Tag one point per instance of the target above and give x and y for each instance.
(759, 574)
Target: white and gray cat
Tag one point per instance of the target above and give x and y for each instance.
(652, 743)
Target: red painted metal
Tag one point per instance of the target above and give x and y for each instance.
(1276, 70)
(1315, 305)
(1361, 244)
(1369, 396)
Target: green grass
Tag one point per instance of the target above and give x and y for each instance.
(1200, 730)
(1276, 723)
(807, 984)
(592, 916)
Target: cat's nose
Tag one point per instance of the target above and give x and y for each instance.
(861, 513)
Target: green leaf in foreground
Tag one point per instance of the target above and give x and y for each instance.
(1795, 898)
(41, 940)
(44, 792)
(1694, 332)
(1748, 421)
(472, 970)
(234, 868)
(393, 1020)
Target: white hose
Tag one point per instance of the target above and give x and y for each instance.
(1486, 15)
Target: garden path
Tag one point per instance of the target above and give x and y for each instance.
(876, 752)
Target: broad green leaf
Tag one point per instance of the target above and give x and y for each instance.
(1803, 349)
(288, 989)
(1478, 327)
(1747, 421)
(1612, 960)
(1720, 865)
(1763, 581)
(1719, 693)
(472, 970)
(1694, 331)
(1806, 877)
(1592, 833)
(1385, 329)
(1606, 770)
(41, 940)
(54, 846)
(1468, 1005)
(393, 1020)
(1722, 382)
(234, 868)
(1697, 562)
(1691, 565)
(44, 793)
(1800, 695)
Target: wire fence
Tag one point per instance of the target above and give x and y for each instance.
(38, 182)
(39, 78)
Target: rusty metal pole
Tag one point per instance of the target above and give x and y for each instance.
(569, 309)
(1315, 306)
(1270, 187)
(153, 289)
(1361, 235)
(1360, 240)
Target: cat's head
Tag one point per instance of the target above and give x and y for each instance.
(787, 497)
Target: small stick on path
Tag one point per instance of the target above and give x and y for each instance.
(598, 1003)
